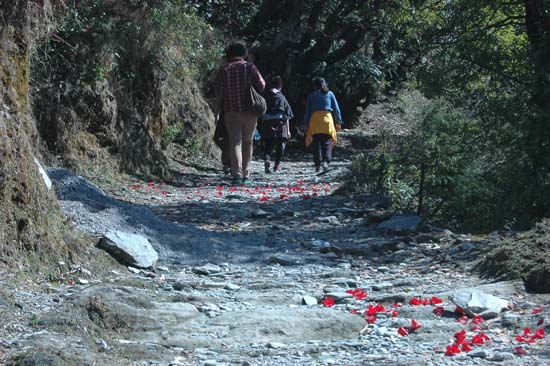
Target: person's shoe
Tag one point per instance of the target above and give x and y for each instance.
(267, 167)
(276, 168)
(324, 166)
(237, 181)
(317, 168)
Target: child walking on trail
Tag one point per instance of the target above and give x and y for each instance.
(274, 128)
(321, 110)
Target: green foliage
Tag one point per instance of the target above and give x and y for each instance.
(437, 171)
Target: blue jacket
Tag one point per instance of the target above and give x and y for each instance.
(319, 101)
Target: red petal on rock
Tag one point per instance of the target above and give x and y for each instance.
(402, 332)
(466, 347)
(540, 322)
(463, 319)
(526, 332)
(415, 325)
(328, 302)
(519, 351)
(459, 310)
(520, 339)
(394, 314)
(425, 302)
(370, 319)
(477, 319)
(537, 310)
(480, 338)
(439, 310)
(415, 301)
(460, 336)
(452, 350)
(353, 311)
(539, 334)
(435, 301)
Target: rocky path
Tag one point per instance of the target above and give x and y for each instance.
(282, 271)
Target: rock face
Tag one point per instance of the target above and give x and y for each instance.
(131, 249)
(120, 99)
(31, 221)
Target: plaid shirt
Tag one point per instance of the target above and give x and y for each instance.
(232, 84)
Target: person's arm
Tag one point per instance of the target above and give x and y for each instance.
(257, 80)
(336, 108)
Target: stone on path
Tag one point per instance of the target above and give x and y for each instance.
(309, 300)
(207, 270)
(476, 302)
(401, 222)
(130, 249)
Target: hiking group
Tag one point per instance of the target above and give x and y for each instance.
(239, 108)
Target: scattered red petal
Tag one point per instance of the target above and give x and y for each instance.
(394, 314)
(358, 293)
(402, 332)
(480, 339)
(328, 302)
(475, 328)
(164, 193)
(435, 301)
(519, 351)
(150, 184)
(415, 325)
(537, 310)
(463, 319)
(539, 334)
(466, 347)
(452, 350)
(353, 311)
(371, 319)
(415, 301)
(459, 311)
(136, 186)
(460, 336)
(540, 322)
(477, 319)
(439, 310)
(425, 302)
(526, 332)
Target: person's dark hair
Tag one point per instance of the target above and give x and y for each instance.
(320, 84)
(276, 82)
(235, 50)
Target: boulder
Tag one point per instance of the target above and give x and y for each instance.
(476, 302)
(401, 222)
(129, 249)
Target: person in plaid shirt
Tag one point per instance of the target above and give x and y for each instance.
(233, 93)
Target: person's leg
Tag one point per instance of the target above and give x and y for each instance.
(326, 148)
(247, 132)
(317, 151)
(234, 131)
(281, 145)
(268, 149)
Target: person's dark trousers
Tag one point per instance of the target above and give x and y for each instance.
(279, 144)
(322, 149)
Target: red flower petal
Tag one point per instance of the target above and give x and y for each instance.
(370, 319)
(537, 310)
(452, 350)
(435, 301)
(459, 311)
(540, 322)
(353, 311)
(466, 347)
(539, 334)
(477, 319)
(394, 314)
(415, 325)
(463, 319)
(519, 351)
(328, 302)
(526, 332)
(439, 310)
(480, 339)
(415, 301)
(460, 336)
(402, 332)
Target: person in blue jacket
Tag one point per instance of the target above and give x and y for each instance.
(321, 110)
